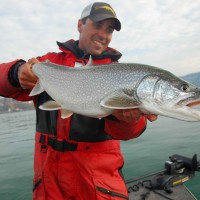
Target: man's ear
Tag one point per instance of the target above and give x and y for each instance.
(80, 25)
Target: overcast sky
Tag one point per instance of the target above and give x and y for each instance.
(162, 33)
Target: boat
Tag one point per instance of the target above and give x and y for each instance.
(167, 183)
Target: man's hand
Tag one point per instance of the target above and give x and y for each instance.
(132, 114)
(26, 77)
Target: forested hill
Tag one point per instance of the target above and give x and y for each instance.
(193, 78)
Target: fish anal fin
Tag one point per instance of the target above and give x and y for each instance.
(66, 113)
(119, 100)
(50, 105)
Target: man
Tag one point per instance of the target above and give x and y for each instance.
(77, 158)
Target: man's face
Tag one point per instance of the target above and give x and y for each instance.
(95, 36)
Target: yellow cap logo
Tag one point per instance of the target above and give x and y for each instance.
(107, 8)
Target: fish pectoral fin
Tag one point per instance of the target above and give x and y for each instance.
(119, 100)
(38, 88)
(50, 105)
(53, 105)
(66, 113)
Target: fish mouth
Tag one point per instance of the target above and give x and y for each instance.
(189, 102)
(185, 111)
(192, 104)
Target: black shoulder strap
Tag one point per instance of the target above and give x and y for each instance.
(46, 121)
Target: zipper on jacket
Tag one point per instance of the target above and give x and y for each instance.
(111, 193)
(37, 184)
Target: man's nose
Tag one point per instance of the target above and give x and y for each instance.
(102, 34)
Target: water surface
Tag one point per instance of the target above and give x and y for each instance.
(146, 154)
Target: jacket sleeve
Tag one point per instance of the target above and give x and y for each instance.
(9, 85)
(7, 88)
(122, 130)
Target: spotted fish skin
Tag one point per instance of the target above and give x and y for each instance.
(96, 90)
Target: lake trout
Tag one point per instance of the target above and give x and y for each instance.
(97, 90)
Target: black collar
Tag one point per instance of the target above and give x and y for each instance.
(72, 46)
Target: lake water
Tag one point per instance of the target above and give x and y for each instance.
(146, 154)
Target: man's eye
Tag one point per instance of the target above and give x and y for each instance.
(110, 30)
(97, 25)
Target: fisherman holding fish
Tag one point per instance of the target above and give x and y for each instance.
(77, 157)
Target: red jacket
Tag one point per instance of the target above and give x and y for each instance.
(68, 56)
(79, 156)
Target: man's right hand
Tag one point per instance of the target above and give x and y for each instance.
(26, 77)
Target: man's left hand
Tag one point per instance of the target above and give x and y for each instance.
(132, 114)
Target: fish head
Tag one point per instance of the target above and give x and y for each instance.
(168, 95)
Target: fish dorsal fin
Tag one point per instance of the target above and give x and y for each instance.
(66, 113)
(90, 63)
(50, 105)
(119, 100)
(38, 88)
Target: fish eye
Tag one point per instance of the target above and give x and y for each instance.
(185, 88)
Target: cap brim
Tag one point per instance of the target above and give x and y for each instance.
(101, 17)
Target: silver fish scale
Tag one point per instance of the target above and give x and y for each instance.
(81, 90)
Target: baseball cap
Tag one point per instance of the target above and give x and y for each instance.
(99, 11)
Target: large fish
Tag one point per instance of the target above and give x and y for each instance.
(96, 90)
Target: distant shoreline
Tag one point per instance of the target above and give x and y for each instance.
(8, 105)
(14, 111)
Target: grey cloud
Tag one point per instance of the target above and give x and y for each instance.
(163, 33)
